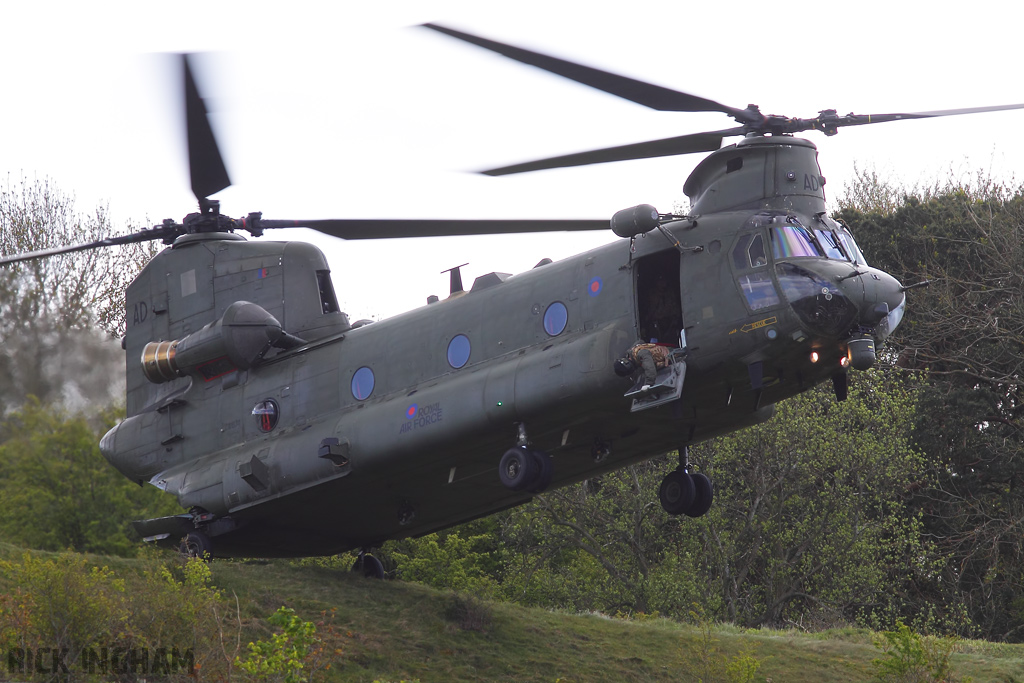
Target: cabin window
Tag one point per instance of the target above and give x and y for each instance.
(793, 241)
(758, 290)
(266, 413)
(556, 318)
(362, 383)
(458, 351)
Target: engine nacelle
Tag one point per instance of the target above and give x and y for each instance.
(636, 220)
(235, 342)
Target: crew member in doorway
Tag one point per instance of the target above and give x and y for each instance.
(650, 357)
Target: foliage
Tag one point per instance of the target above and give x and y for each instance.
(449, 560)
(90, 618)
(57, 491)
(907, 657)
(284, 657)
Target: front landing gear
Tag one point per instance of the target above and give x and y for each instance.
(522, 469)
(685, 493)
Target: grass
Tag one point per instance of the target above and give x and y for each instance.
(392, 631)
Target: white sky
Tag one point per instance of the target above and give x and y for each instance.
(341, 109)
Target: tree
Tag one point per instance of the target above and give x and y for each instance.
(55, 312)
(810, 520)
(965, 333)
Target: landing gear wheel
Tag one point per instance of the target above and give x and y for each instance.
(369, 566)
(195, 544)
(518, 469)
(676, 492)
(703, 494)
(545, 470)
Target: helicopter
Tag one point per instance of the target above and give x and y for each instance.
(285, 429)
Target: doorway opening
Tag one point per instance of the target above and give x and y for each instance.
(659, 306)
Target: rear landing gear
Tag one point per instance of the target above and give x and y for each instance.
(195, 544)
(369, 566)
(685, 493)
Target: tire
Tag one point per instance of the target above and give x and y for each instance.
(545, 470)
(369, 566)
(676, 492)
(518, 469)
(195, 544)
(703, 495)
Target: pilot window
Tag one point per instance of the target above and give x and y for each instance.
(759, 290)
(793, 241)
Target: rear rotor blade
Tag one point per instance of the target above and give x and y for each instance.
(647, 94)
(162, 232)
(362, 229)
(683, 144)
(205, 163)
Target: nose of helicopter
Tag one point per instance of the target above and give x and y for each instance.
(880, 301)
(879, 298)
(855, 305)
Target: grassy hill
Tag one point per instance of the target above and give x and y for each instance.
(391, 631)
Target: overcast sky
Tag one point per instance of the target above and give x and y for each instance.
(344, 109)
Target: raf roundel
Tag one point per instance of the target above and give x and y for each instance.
(410, 412)
(594, 288)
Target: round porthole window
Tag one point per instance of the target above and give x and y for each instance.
(555, 318)
(362, 383)
(266, 413)
(458, 351)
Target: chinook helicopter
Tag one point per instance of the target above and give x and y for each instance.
(285, 429)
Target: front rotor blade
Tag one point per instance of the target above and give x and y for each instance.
(205, 163)
(373, 228)
(157, 233)
(683, 144)
(647, 94)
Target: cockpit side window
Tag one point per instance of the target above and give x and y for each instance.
(793, 241)
(749, 252)
(757, 287)
(851, 247)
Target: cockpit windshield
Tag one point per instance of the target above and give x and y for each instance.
(832, 245)
(793, 241)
